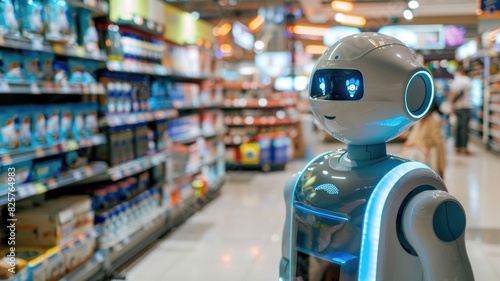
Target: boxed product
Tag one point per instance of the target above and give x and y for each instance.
(30, 64)
(26, 137)
(60, 71)
(76, 159)
(80, 251)
(52, 115)
(9, 129)
(47, 225)
(56, 18)
(46, 66)
(161, 133)
(250, 153)
(31, 15)
(40, 125)
(79, 112)
(88, 32)
(67, 121)
(12, 66)
(91, 122)
(8, 20)
(81, 71)
(48, 168)
(23, 174)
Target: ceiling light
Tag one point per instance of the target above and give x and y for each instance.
(222, 30)
(259, 45)
(413, 4)
(316, 49)
(408, 14)
(256, 23)
(226, 49)
(350, 20)
(309, 30)
(342, 5)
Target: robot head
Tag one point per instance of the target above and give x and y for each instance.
(369, 88)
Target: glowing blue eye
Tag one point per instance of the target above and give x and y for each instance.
(352, 86)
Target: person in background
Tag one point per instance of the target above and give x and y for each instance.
(461, 107)
(426, 142)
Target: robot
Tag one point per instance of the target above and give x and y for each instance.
(360, 214)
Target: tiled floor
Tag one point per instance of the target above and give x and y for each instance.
(238, 236)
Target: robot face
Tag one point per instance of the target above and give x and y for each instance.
(369, 88)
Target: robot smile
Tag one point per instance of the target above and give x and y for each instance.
(330, 117)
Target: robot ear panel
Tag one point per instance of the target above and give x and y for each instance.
(419, 94)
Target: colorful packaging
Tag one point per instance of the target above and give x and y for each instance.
(26, 124)
(250, 153)
(23, 174)
(67, 119)
(56, 20)
(40, 125)
(60, 71)
(91, 122)
(30, 63)
(47, 169)
(88, 32)
(46, 68)
(52, 115)
(9, 128)
(79, 120)
(8, 20)
(12, 63)
(31, 17)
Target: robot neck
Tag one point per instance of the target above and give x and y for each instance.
(366, 152)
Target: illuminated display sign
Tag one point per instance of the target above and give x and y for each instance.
(274, 64)
(336, 33)
(466, 50)
(242, 37)
(419, 37)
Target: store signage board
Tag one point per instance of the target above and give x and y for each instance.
(334, 34)
(274, 64)
(490, 6)
(242, 36)
(419, 37)
(466, 50)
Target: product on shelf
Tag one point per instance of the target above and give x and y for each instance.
(12, 66)
(9, 122)
(54, 223)
(46, 66)
(31, 18)
(47, 168)
(80, 71)
(111, 39)
(57, 21)
(8, 21)
(30, 64)
(185, 127)
(89, 38)
(126, 94)
(23, 174)
(52, 114)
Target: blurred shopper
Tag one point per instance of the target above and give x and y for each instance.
(426, 142)
(461, 108)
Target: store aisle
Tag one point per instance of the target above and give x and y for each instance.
(238, 236)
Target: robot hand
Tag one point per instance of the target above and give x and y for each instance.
(434, 224)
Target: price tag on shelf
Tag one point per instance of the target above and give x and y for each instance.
(37, 44)
(80, 51)
(39, 188)
(59, 48)
(6, 159)
(4, 86)
(77, 175)
(93, 89)
(65, 88)
(52, 183)
(24, 191)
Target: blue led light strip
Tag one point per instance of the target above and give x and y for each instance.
(373, 219)
(321, 212)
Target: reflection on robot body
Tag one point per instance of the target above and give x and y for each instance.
(350, 213)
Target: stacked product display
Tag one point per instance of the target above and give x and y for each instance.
(261, 126)
(110, 136)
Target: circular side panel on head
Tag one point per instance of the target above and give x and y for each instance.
(449, 221)
(419, 94)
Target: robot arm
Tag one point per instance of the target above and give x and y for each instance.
(434, 224)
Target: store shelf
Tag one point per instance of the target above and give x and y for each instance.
(495, 97)
(46, 87)
(96, 12)
(259, 121)
(195, 106)
(258, 103)
(135, 118)
(196, 170)
(495, 107)
(495, 133)
(66, 178)
(136, 166)
(265, 167)
(90, 270)
(495, 78)
(495, 119)
(60, 147)
(238, 140)
(61, 49)
(229, 85)
(139, 23)
(151, 69)
(494, 145)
